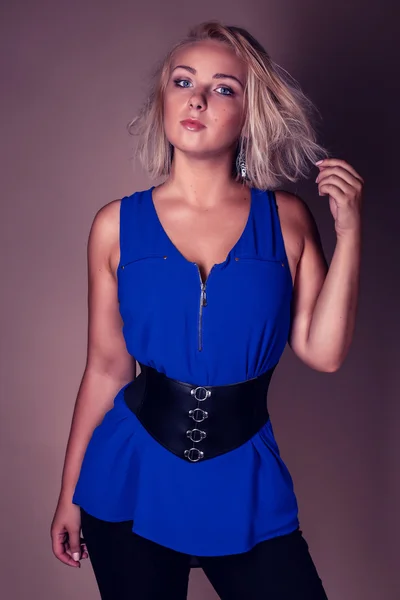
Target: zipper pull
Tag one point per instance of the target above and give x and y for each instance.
(203, 296)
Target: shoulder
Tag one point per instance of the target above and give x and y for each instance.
(104, 232)
(105, 224)
(299, 230)
(295, 213)
(106, 218)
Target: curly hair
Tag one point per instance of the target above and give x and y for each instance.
(278, 136)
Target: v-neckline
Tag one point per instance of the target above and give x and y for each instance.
(231, 251)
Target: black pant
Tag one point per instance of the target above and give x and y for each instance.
(130, 567)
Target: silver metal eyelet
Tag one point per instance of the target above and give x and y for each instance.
(198, 414)
(194, 454)
(196, 435)
(204, 393)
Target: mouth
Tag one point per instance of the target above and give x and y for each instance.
(193, 124)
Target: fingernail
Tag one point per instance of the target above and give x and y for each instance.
(75, 555)
(319, 162)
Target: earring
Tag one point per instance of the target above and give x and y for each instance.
(242, 166)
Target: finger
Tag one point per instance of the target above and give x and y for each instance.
(337, 162)
(59, 547)
(338, 181)
(84, 551)
(333, 190)
(74, 544)
(339, 172)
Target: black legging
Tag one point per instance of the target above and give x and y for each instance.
(130, 567)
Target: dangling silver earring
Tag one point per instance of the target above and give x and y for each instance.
(243, 169)
(242, 166)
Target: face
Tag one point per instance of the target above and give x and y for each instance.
(204, 99)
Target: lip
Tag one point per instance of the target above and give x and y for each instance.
(192, 124)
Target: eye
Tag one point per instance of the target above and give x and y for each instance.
(182, 82)
(227, 91)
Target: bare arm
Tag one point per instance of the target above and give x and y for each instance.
(324, 300)
(109, 366)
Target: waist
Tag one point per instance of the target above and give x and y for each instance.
(198, 422)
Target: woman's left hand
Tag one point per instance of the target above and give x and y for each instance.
(344, 186)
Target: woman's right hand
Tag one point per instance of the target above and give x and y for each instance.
(67, 544)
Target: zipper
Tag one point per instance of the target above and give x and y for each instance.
(203, 303)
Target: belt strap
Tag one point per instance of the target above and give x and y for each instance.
(198, 422)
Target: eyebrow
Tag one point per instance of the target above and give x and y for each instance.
(216, 76)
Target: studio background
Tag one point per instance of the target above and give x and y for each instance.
(73, 75)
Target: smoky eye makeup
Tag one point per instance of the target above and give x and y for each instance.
(178, 81)
(181, 81)
(229, 89)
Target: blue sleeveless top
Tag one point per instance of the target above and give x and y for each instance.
(227, 504)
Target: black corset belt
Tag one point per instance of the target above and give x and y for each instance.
(196, 422)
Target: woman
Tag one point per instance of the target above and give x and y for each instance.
(204, 279)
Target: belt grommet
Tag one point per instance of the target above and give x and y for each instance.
(198, 414)
(196, 435)
(200, 387)
(193, 454)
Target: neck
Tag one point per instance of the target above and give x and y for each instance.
(202, 182)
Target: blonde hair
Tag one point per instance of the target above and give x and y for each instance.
(277, 138)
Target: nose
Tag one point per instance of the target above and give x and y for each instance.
(197, 102)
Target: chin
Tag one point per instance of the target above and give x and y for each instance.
(193, 147)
